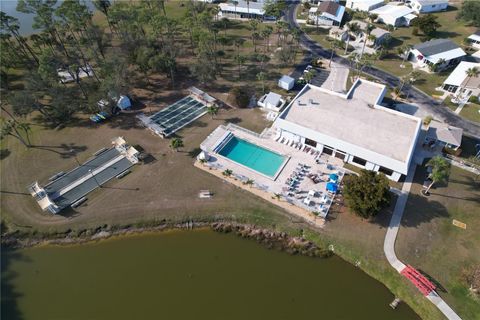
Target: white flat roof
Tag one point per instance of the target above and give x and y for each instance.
(356, 120)
(287, 79)
(272, 98)
(474, 36)
(393, 11)
(459, 74)
(370, 2)
(447, 55)
(242, 7)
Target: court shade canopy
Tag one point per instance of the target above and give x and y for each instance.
(176, 116)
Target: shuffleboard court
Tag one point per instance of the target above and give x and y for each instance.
(176, 116)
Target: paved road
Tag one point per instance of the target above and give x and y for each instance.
(422, 100)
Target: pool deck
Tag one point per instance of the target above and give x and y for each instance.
(266, 187)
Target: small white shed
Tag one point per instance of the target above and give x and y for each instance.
(286, 82)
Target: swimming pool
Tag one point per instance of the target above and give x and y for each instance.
(253, 156)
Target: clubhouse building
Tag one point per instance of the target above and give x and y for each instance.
(353, 127)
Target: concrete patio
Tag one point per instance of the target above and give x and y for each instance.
(319, 200)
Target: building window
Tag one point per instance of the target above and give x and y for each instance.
(359, 161)
(385, 171)
(340, 155)
(311, 142)
(328, 150)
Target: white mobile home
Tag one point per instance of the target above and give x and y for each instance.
(242, 10)
(397, 16)
(328, 13)
(428, 6)
(442, 53)
(352, 127)
(474, 39)
(364, 5)
(458, 82)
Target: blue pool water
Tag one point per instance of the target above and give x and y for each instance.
(252, 156)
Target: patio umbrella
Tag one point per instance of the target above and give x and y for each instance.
(333, 177)
(332, 187)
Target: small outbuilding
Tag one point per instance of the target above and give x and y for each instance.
(286, 82)
(272, 101)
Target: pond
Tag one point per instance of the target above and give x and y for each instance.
(186, 275)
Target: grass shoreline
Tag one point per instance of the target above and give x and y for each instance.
(390, 279)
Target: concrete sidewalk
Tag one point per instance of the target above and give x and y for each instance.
(391, 236)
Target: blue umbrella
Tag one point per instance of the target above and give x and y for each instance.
(334, 177)
(332, 187)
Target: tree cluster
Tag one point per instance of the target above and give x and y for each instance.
(367, 193)
(470, 12)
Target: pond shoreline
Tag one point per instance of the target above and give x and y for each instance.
(269, 238)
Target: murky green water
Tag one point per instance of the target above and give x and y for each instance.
(186, 275)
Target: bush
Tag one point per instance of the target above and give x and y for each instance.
(415, 31)
(367, 193)
(427, 120)
(239, 97)
(473, 99)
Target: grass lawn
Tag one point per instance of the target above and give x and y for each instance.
(428, 240)
(176, 9)
(448, 102)
(451, 28)
(429, 81)
(471, 112)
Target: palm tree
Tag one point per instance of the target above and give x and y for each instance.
(176, 143)
(227, 173)
(440, 171)
(352, 29)
(335, 44)
(249, 182)
(255, 37)
(266, 33)
(225, 23)
(235, 3)
(371, 38)
(414, 76)
(26, 128)
(372, 17)
(241, 61)
(471, 73)
(368, 31)
(212, 110)
(261, 76)
(309, 75)
(404, 50)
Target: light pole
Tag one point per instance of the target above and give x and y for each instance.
(93, 176)
(72, 152)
